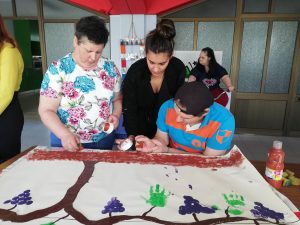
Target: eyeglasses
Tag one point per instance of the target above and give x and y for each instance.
(181, 110)
(185, 112)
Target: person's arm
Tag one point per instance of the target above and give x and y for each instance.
(114, 117)
(161, 140)
(222, 74)
(47, 111)
(220, 142)
(117, 102)
(161, 137)
(158, 144)
(129, 104)
(193, 74)
(191, 78)
(213, 152)
(117, 109)
(181, 74)
(9, 77)
(226, 80)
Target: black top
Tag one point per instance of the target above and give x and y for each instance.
(140, 103)
(211, 81)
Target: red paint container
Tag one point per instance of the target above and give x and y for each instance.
(275, 165)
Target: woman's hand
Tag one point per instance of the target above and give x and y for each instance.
(70, 142)
(191, 78)
(226, 80)
(231, 88)
(119, 142)
(114, 120)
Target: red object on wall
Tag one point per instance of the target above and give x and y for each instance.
(117, 7)
(123, 49)
(123, 63)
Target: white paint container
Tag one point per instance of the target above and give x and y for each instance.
(126, 144)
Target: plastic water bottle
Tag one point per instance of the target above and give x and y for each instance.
(275, 165)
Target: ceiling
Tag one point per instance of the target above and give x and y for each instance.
(117, 7)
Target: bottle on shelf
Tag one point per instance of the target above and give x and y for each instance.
(187, 73)
(275, 165)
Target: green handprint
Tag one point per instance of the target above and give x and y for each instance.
(235, 203)
(157, 198)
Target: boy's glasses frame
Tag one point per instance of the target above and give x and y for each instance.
(185, 112)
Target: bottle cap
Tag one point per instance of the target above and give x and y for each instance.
(277, 144)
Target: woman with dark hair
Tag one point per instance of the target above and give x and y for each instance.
(11, 114)
(210, 72)
(151, 81)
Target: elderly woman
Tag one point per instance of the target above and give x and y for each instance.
(81, 92)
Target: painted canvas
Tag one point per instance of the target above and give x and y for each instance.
(54, 187)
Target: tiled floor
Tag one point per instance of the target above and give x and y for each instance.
(254, 147)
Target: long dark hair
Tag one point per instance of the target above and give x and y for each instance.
(212, 65)
(161, 39)
(5, 36)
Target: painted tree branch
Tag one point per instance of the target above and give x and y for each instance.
(68, 199)
(145, 213)
(195, 217)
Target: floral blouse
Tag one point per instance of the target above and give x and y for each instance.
(86, 95)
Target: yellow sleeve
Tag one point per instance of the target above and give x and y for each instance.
(9, 75)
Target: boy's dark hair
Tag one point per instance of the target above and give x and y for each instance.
(195, 97)
(161, 39)
(93, 28)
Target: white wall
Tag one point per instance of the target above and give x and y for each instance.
(119, 28)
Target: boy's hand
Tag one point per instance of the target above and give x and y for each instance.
(147, 146)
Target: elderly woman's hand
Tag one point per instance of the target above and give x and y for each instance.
(70, 142)
(114, 120)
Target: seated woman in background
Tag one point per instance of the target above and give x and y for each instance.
(210, 73)
(151, 81)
